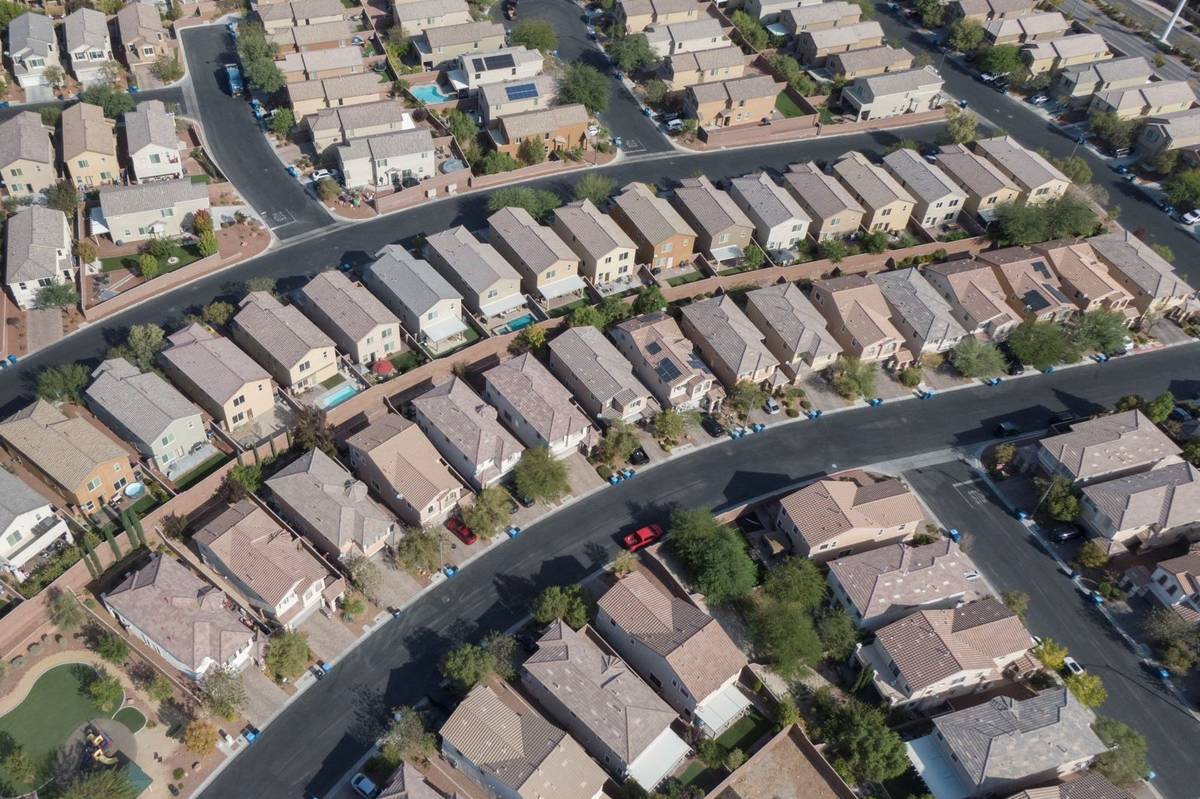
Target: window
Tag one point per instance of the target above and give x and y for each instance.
(168, 439)
(886, 212)
(14, 538)
(147, 51)
(431, 315)
(550, 274)
(155, 158)
(16, 173)
(116, 467)
(167, 212)
(82, 163)
(625, 256)
(304, 367)
(239, 400)
(668, 246)
(386, 332)
(93, 484)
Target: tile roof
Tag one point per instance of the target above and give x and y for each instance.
(326, 496)
(17, 498)
(974, 173)
(417, 13)
(407, 783)
(1185, 569)
(692, 30)
(478, 265)
(596, 233)
(1077, 264)
(903, 576)
(144, 403)
(1033, 285)
(825, 509)
(181, 613)
(885, 57)
(714, 210)
(734, 90)
(1083, 44)
(796, 321)
(663, 347)
(135, 19)
(1150, 96)
(85, 28)
(1087, 785)
(544, 120)
(495, 96)
(355, 311)
(705, 60)
(843, 35)
(1110, 70)
(765, 201)
(463, 33)
(120, 200)
(537, 247)
(407, 460)
(482, 62)
(1145, 268)
(1117, 442)
(301, 10)
(925, 181)
(23, 137)
(409, 280)
(1034, 24)
(650, 215)
(817, 13)
(349, 118)
(596, 363)
(214, 363)
(693, 644)
(148, 124)
(599, 689)
(67, 448)
(86, 130)
(34, 236)
(730, 336)
(360, 84)
(282, 331)
(861, 307)
(870, 182)
(310, 61)
(975, 288)
(537, 397)
(458, 413)
(919, 304)
(822, 194)
(910, 80)
(33, 32)
(1180, 126)
(1163, 498)
(1028, 168)
(337, 30)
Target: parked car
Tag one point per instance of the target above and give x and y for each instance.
(712, 426)
(1064, 532)
(1038, 99)
(639, 457)
(1072, 666)
(364, 786)
(1191, 217)
(771, 406)
(460, 529)
(643, 537)
(320, 174)
(1007, 430)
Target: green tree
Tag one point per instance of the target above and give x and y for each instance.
(217, 313)
(1088, 689)
(531, 339)
(63, 196)
(714, 554)
(561, 602)
(1091, 555)
(174, 526)
(111, 783)
(65, 612)
(1112, 129)
(148, 266)
(419, 550)
(876, 241)
(534, 34)
(595, 187)
(962, 127)
(63, 383)
(796, 582)
(538, 202)
(541, 476)
(1165, 162)
(655, 91)
(1017, 602)
(932, 13)
(911, 376)
(649, 299)
(200, 737)
(614, 310)
(407, 739)
(112, 648)
(223, 693)
(1002, 59)
(142, 344)
(282, 123)
(837, 633)
(786, 639)
(618, 443)
(398, 42)
(167, 68)
(241, 481)
(670, 426)
(752, 31)
(860, 745)
(532, 151)
(1101, 330)
(754, 256)
(18, 766)
(1051, 653)
(50, 115)
(364, 575)
(111, 99)
(584, 84)
(789, 69)
(631, 53)
(353, 606)
(1164, 252)
(1075, 168)
(1159, 409)
(328, 190)
(1019, 225)
(258, 58)
(834, 250)
(85, 251)
(261, 283)
(57, 295)
(160, 688)
(1068, 216)
(1042, 344)
(852, 377)
(587, 316)
(461, 126)
(489, 513)
(468, 665)
(965, 35)
(310, 431)
(745, 396)
(106, 691)
(1124, 763)
(206, 243)
(287, 655)
(1059, 499)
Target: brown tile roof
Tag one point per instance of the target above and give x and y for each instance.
(214, 363)
(66, 448)
(901, 575)
(1078, 265)
(406, 459)
(1034, 285)
(975, 288)
(1088, 785)
(862, 308)
(1108, 444)
(85, 129)
(407, 783)
(540, 399)
(827, 508)
(714, 210)
(459, 414)
(664, 348)
(731, 337)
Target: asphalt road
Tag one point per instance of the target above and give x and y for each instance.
(308, 748)
(1003, 549)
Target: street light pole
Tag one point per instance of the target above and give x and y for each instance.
(1174, 18)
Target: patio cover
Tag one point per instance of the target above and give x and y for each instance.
(722, 708)
(503, 305)
(559, 288)
(659, 759)
(935, 768)
(445, 328)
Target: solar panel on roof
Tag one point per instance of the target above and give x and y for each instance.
(1040, 268)
(522, 91)
(477, 64)
(499, 61)
(666, 371)
(653, 348)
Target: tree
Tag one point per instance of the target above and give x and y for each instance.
(649, 300)
(754, 256)
(1124, 763)
(534, 34)
(714, 554)
(876, 241)
(852, 377)
(112, 648)
(352, 607)
(595, 187)
(160, 688)
(532, 151)
(859, 743)
(655, 91)
(792, 73)
(796, 582)
(1017, 602)
(167, 68)
(745, 396)
(258, 58)
(1075, 168)
(57, 295)
(287, 655)
(531, 339)
(538, 202)
(461, 126)
(241, 481)
(785, 639)
(1091, 555)
(1088, 689)
(669, 427)
(111, 783)
(468, 665)
(837, 633)
(174, 526)
(1059, 499)
(1101, 330)
(223, 693)
(142, 344)
(17, 765)
(65, 612)
(55, 76)
(962, 127)
(282, 123)
(1051, 653)
(619, 442)
(50, 115)
(364, 575)
(261, 283)
(419, 550)
(932, 13)
(85, 251)
(614, 310)
(1001, 59)
(1042, 344)
(148, 266)
(217, 313)
(407, 739)
(63, 383)
(584, 84)
(10, 11)
(911, 376)
(561, 602)
(1112, 129)
(488, 514)
(965, 35)
(1159, 409)
(541, 476)
(112, 100)
(752, 31)
(105, 690)
(1165, 162)
(328, 189)
(834, 250)
(398, 42)
(200, 737)
(631, 53)
(63, 196)
(1068, 216)
(311, 431)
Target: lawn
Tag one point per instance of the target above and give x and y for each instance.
(186, 255)
(330, 382)
(683, 280)
(407, 361)
(698, 774)
(787, 106)
(745, 732)
(564, 310)
(54, 708)
(200, 472)
(131, 717)
(470, 336)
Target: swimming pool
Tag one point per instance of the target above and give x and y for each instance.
(519, 324)
(430, 93)
(335, 398)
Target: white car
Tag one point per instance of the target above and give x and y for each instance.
(1191, 217)
(364, 786)
(771, 406)
(1072, 666)
(320, 174)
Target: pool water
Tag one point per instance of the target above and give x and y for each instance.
(520, 323)
(430, 94)
(335, 398)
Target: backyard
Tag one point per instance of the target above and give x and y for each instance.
(743, 734)
(787, 106)
(184, 255)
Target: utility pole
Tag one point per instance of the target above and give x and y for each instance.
(1174, 18)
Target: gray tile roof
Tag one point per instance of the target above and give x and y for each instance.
(925, 181)
(733, 90)
(662, 346)
(889, 83)
(870, 182)
(974, 173)
(704, 60)
(348, 119)
(463, 33)
(215, 364)
(1117, 442)
(85, 27)
(23, 137)
(653, 217)
(903, 576)
(730, 335)
(1033, 24)
(67, 448)
(1150, 96)
(1164, 498)
(459, 414)
(885, 57)
(409, 281)
(144, 403)
(136, 20)
(1009, 738)
(1082, 44)
(34, 237)
(1110, 70)
(34, 32)
(794, 318)
(539, 399)
(287, 335)
(1145, 268)
(816, 13)
(1088, 785)
(148, 124)
(497, 94)
(598, 365)
(120, 200)
(1180, 126)
(765, 201)
(426, 9)
(536, 246)
(16, 498)
(596, 233)
(822, 194)
(1029, 168)
(301, 10)
(355, 311)
(919, 304)
(478, 265)
(390, 145)
(714, 210)
(844, 35)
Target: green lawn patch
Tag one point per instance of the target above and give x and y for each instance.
(330, 382)
(787, 106)
(683, 280)
(201, 179)
(131, 717)
(733, 270)
(745, 732)
(699, 775)
(183, 255)
(407, 361)
(564, 310)
(203, 470)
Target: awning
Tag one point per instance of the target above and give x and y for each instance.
(722, 254)
(935, 768)
(444, 328)
(458, 79)
(562, 287)
(96, 222)
(502, 305)
(722, 708)
(659, 759)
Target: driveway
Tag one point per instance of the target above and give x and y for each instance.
(327, 638)
(263, 696)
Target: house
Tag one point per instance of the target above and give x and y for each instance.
(560, 127)
(894, 94)
(438, 45)
(1175, 583)
(407, 782)
(310, 96)
(1105, 448)
(32, 49)
(723, 231)
(324, 502)
(933, 655)
(162, 209)
(1006, 744)
(28, 524)
(769, 12)
(268, 566)
(779, 222)
(1151, 508)
(548, 267)
(488, 283)
(1079, 83)
(507, 747)
(1032, 287)
(321, 36)
(704, 66)
(151, 143)
(1169, 132)
(535, 406)
(922, 316)
(637, 15)
(787, 765)
(223, 380)
(704, 33)
(605, 706)
(1037, 179)
(987, 187)
(939, 199)
(146, 411)
(676, 647)
(353, 317)
(423, 15)
(834, 212)
(508, 97)
(401, 466)
(882, 585)
(815, 46)
(835, 516)
(730, 343)
(666, 362)
(1151, 99)
(1065, 52)
(1088, 784)
(1084, 279)
(429, 307)
(37, 253)
(1141, 271)
(83, 465)
(975, 294)
(142, 35)
(315, 64)
(859, 319)
(465, 429)
(88, 47)
(199, 633)
(293, 349)
(26, 155)
(888, 204)
(601, 380)
(793, 329)
(330, 126)
(737, 101)
(987, 10)
(606, 253)
(89, 146)
(663, 239)
(1026, 28)
(492, 66)
(877, 61)
(282, 16)
(819, 16)
(388, 159)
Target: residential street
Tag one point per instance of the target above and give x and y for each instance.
(171, 94)
(1004, 551)
(312, 744)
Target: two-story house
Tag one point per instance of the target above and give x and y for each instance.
(536, 407)
(548, 267)
(599, 377)
(1151, 509)
(1038, 180)
(723, 231)
(793, 329)
(939, 200)
(730, 343)
(1085, 280)
(1143, 273)
(294, 350)
(779, 222)
(922, 316)
(353, 317)
(88, 47)
(667, 362)
(226, 382)
(32, 49)
(488, 283)
(888, 205)
(663, 239)
(429, 308)
(151, 210)
(606, 252)
(886, 93)
(834, 212)
(468, 433)
(860, 319)
(1032, 287)
(26, 155)
(975, 294)
(1105, 448)
(28, 524)
(1079, 83)
(151, 143)
(88, 146)
(387, 159)
(142, 36)
(987, 188)
(37, 250)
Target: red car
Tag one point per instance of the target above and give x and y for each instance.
(456, 526)
(643, 537)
